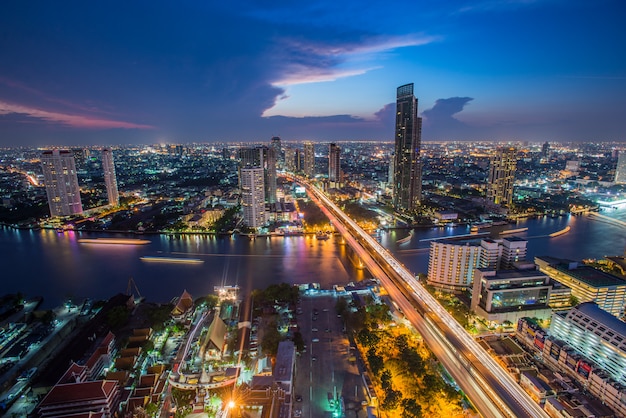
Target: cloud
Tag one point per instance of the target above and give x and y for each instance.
(75, 121)
(440, 122)
(319, 61)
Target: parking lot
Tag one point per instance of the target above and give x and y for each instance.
(325, 375)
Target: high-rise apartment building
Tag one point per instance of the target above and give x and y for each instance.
(334, 165)
(620, 171)
(61, 180)
(545, 149)
(501, 176)
(407, 186)
(110, 180)
(451, 263)
(278, 152)
(263, 157)
(290, 159)
(309, 159)
(253, 196)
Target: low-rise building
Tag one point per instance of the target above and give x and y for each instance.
(588, 284)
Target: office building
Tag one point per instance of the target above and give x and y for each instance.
(309, 159)
(596, 334)
(265, 158)
(253, 197)
(110, 180)
(334, 166)
(501, 176)
(407, 178)
(61, 180)
(545, 149)
(508, 295)
(587, 283)
(620, 170)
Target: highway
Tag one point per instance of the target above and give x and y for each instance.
(490, 388)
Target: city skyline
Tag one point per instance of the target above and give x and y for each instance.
(112, 74)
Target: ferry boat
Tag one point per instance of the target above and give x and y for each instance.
(114, 241)
(178, 260)
(322, 236)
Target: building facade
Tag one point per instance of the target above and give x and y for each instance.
(587, 283)
(334, 165)
(501, 176)
(253, 197)
(309, 159)
(596, 334)
(61, 180)
(110, 179)
(451, 263)
(407, 178)
(508, 295)
(261, 157)
(620, 170)
(275, 144)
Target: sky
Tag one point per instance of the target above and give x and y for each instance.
(145, 72)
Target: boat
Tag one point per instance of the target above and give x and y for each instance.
(114, 241)
(322, 236)
(176, 260)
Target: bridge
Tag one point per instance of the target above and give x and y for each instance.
(491, 389)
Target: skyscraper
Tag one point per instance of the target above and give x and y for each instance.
(407, 186)
(501, 175)
(110, 180)
(545, 149)
(264, 158)
(290, 160)
(253, 196)
(309, 159)
(334, 166)
(278, 152)
(620, 171)
(61, 180)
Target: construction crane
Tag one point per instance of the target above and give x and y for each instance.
(129, 288)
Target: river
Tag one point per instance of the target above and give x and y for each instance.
(56, 266)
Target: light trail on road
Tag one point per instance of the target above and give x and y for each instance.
(492, 390)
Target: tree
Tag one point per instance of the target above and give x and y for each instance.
(341, 306)
(271, 338)
(410, 408)
(117, 317)
(385, 380)
(367, 338)
(392, 399)
(375, 361)
(573, 300)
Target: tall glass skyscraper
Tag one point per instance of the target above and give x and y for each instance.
(407, 178)
(334, 166)
(620, 171)
(61, 180)
(110, 180)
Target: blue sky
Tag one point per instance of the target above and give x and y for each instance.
(114, 72)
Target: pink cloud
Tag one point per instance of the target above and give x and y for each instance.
(76, 121)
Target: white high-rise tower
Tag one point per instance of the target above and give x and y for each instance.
(110, 180)
(61, 180)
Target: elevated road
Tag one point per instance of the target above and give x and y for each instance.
(490, 388)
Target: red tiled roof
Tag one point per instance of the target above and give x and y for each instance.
(74, 392)
(72, 372)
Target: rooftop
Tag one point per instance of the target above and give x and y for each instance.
(594, 311)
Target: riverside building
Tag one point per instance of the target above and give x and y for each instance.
(61, 180)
